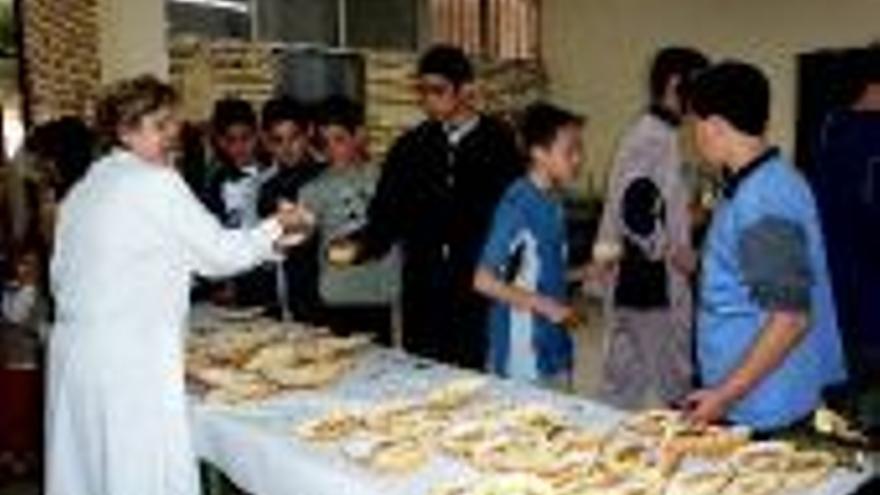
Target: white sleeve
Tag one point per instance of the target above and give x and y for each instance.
(18, 305)
(211, 250)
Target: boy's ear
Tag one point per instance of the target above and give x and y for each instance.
(718, 125)
(537, 154)
(468, 92)
(361, 138)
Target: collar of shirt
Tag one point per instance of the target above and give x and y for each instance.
(733, 181)
(665, 115)
(456, 132)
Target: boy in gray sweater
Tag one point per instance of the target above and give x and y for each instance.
(355, 298)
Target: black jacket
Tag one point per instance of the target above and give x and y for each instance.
(285, 184)
(300, 263)
(437, 202)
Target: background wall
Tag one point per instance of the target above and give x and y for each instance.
(132, 38)
(598, 51)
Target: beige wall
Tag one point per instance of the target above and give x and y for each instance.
(132, 38)
(597, 51)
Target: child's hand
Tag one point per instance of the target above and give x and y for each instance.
(552, 310)
(683, 259)
(599, 275)
(294, 218)
(297, 221)
(342, 252)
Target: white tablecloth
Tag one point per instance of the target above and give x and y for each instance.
(254, 445)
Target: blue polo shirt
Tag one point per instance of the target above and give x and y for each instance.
(765, 253)
(527, 247)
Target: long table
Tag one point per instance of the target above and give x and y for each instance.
(254, 445)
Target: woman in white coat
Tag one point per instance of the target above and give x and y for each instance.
(130, 236)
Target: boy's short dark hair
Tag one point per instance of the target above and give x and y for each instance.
(675, 61)
(284, 109)
(542, 121)
(232, 111)
(448, 62)
(341, 111)
(737, 92)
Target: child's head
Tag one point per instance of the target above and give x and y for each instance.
(730, 103)
(139, 115)
(671, 73)
(234, 126)
(341, 123)
(445, 83)
(287, 130)
(552, 138)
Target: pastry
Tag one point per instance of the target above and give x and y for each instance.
(515, 454)
(462, 439)
(571, 440)
(763, 457)
(655, 423)
(708, 482)
(627, 458)
(512, 484)
(808, 468)
(709, 442)
(277, 355)
(534, 417)
(399, 457)
(455, 394)
(381, 417)
(754, 484)
(311, 375)
(333, 426)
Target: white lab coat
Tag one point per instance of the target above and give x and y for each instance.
(129, 238)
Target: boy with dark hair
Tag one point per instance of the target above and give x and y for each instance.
(644, 251)
(287, 130)
(354, 298)
(767, 333)
(232, 192)
(440, 184)
(232, 189)
(523, 265)
(672, 69)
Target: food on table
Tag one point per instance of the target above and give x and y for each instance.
(752, 483)
(708, 442)
(463, 439)
(763, 457)
(309, 375)
(576, 440)
(515, 454)
(456, 393)
(807, 468)
(535, 418)
(704, 482)
(509, 484)
(399, 456)
(336, 425)
(236, 362)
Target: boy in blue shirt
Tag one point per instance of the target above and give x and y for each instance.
(767, 336)
(523, 265)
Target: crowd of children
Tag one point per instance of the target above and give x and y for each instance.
(461, 227)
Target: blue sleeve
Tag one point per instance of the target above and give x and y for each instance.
(774, 260)
(773, 247)
(496, 252)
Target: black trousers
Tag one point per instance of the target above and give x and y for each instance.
(450, 328)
